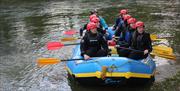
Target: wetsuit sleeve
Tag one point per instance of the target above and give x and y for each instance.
(117, 32)
(104, 43)
(100, 30)
(83, 45)
(120, 28)
(148, 43)
(116, 23)
(82, 29)
(103, 23)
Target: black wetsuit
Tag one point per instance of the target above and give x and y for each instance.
(94, 45)
(140, 42)
(125, 42)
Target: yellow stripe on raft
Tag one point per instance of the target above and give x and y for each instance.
(112, 74)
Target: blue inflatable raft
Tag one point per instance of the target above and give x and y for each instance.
(110, 70)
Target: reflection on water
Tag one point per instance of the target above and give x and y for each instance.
(26, 26)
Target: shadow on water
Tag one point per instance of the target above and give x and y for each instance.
(110, 88)
(80, 87)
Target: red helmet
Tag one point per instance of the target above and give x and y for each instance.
(139, 24)
(123, 11)
(126, 17)
(131, 20)
(92, 16)
(95, 20)
(91, 25)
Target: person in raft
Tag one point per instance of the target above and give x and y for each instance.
(119, 24)
(125, 38)
(95, 19)
(101, 19)
(99, 27)
(140, 41)
(93, 43)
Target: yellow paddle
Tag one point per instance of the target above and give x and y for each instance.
(155, 37)
(46, 61)
(69, 39)
(161, 51)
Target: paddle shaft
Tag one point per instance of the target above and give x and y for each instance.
(72, 59)
(71, 44)
(130, 49)
(116, 46)
(47, 61)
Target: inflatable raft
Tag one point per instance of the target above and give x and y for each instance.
(110, 70)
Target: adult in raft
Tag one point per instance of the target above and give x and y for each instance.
(140, 41)
(125, 38)
(101, 19)
(94, 14)
(93, 43)
(119, 24)
(95, 19)
(99, 27)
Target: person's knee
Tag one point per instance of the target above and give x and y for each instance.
(136, 56)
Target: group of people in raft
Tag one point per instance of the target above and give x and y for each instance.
(129, 34)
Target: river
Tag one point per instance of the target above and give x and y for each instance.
(27, 25)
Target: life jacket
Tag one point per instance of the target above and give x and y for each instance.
(125, 39)
(141, 41)
(103, 22)
(93, 40)
(126, 36)
(121, 23)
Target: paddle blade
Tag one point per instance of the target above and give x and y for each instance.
(70, 32)
(68, 39)
(171, 57)
(54, 45)
(153, 36)
(46, 61)
(159, 39)
(164, 51)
